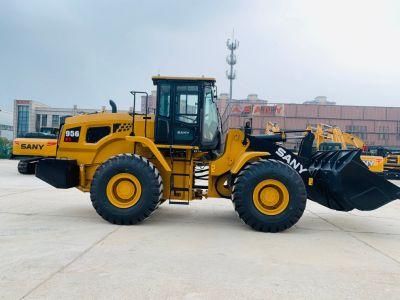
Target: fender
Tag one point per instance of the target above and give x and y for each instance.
(153, 148)
(244, 158)
(291, 161)
(299, 161)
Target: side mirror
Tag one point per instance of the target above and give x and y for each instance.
(215, 92)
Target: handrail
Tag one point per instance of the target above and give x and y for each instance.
(133, 111)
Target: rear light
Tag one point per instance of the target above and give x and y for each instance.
(16, 142)
(51, 143)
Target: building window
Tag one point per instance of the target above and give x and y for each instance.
(23, 120)
(55, 121)
(6, 127)
(398, 130)
(383, 133)
(44, 120)
(37, 123)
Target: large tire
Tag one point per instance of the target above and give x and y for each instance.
(138, 176)
(269, 196)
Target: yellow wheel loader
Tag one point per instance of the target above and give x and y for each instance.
(392, 166)
(131, 163)
(329, 137)
(391, 160)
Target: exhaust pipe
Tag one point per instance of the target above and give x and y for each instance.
(113, 106)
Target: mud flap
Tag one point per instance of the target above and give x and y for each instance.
(341, 181)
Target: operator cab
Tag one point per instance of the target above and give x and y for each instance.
(186, 113)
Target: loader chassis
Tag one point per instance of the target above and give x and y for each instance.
(131, 163)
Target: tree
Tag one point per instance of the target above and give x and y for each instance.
(5, 148)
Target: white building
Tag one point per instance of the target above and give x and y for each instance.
(322, 100)
(6, 125)
(31, 116)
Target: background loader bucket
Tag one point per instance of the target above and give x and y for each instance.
(341, 181)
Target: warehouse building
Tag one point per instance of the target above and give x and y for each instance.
(374, 124)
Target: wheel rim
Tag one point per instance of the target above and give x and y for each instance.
(271, 197)
(124, 190)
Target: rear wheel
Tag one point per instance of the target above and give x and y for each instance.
(126, 189)
(269, 196)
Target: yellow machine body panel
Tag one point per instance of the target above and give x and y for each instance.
(245, 158)
(392, 162)
(34, 147)
(374, 163)
(233, 159)
(272, 128)
(148, 143)
(234, 148)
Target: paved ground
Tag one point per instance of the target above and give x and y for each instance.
(53, 245)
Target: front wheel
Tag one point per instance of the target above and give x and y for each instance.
(269, 196)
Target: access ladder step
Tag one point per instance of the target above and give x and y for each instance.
(179, 189)
(179, 202)
(180, 174)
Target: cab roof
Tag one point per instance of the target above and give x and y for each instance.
(177, 78)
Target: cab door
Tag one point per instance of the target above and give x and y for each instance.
(178, 113)
(163, 132)
(186, 114)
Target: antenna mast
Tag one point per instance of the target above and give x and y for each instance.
(231, 59)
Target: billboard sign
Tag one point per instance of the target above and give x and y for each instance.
(22, 102)
(243, 109)
(268, 110)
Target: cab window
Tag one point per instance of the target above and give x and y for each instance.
(210, 122)
(187, 97)
(165, 95)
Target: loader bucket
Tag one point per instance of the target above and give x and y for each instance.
(341, 181)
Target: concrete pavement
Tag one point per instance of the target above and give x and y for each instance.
(54, 245)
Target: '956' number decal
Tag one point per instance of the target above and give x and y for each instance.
(72, 135)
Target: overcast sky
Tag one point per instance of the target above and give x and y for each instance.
(65, 52)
